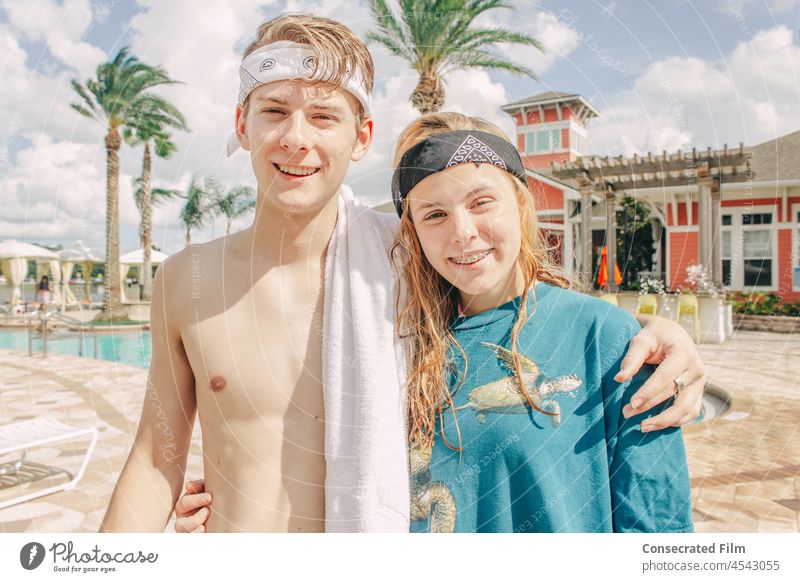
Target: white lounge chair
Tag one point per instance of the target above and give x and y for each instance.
(21, 436)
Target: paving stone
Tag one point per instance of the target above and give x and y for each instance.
(744, 466)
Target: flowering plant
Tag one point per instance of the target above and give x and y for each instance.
(651, 285)
(698, 276)
(655, 286)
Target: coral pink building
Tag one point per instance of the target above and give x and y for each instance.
(753, 232)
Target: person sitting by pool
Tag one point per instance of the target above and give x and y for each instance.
(43, 294)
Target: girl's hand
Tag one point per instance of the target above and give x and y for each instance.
(193, 508)
(667, 344)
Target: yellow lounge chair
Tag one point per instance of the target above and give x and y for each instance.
(610, 298)
(647, 304)
(688, 305)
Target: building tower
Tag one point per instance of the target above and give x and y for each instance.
(551, 127)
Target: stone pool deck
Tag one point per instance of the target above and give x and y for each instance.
(744, 466)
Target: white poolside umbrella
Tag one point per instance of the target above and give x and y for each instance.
(136, 259)
(14, 256)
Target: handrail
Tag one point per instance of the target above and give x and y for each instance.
(65, 318)
(44, 317)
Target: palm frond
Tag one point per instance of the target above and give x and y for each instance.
(484, 60)
(437, 37)
(158, 196)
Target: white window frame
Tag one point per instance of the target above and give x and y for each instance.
(795, 209)
(737, 243)
(530, 142)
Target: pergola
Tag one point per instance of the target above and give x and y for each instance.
(609, 177)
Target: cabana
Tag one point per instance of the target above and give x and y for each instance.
(86, 258)
(14, 257)
(135, 258)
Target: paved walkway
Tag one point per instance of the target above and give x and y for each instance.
(744, 465)
(78, 392)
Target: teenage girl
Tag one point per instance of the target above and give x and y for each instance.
(515, 419)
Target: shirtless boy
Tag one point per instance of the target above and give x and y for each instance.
(236, 321)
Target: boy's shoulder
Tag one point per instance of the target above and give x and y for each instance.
(189, 256)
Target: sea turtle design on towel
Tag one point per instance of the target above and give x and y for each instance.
(503, 396)
(430, 499)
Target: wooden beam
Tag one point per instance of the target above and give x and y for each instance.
(652, 164)
(689, 209)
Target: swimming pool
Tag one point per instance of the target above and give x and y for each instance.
(129, 347)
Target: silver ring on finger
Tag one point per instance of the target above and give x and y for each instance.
(679, 385)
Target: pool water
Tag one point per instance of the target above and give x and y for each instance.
(129, 347)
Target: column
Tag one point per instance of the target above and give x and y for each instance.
(657, 228)
(611, 237)
(568, 242)
(705, 233)
(715, 272)
(586, 232)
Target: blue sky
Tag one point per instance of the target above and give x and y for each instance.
(663, 75)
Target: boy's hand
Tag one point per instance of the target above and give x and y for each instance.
(667, 344)
(193, 508)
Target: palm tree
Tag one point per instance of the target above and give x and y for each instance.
(199, 205)
(150, 129)
(236, 202)
(440, 36)
(117, 98)
(157, 198)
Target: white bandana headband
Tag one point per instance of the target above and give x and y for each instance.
(282, 61)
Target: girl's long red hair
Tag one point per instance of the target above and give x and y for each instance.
(429, 303)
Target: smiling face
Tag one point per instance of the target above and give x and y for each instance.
(301, 138)
(467, 220)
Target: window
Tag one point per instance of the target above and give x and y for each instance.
(543, 141)
(726, 256)
(762, 218)
(748, 249)
(757, 248)
(579, 142)
(546, 140)
(796, 256)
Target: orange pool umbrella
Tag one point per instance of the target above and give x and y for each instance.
(602, 276)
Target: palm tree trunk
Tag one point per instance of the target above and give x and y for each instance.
(188, 236)
(228, 231)
(146, 229)
(113, 309)
(428, 96)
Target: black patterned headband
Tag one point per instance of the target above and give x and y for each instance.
(451, 148)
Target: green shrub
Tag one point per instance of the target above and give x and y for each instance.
(762, 303)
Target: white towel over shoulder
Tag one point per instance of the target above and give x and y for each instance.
(364, 370)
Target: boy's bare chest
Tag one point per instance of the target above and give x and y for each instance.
(258, 352)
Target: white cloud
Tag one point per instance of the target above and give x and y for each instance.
(61, 26)
(54, 187)
(783, 6)
(737, 8)
(558, 38)
(750, 97)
